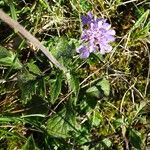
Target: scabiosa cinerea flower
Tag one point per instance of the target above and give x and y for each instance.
(96, 36)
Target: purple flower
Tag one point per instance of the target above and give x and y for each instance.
(96, 36)
(84, 53)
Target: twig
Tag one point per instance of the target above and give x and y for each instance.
(135, 89)
(15, 25)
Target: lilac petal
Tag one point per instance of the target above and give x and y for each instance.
(92, 48)
(92, 45)
(106, 26)
(102, 49)
(109, 38)
(111, 32)
(91, 39)
(108, 48)
(105, 48)
(100, 23)
(90, 15)
(84, 53)
(99, 19)
(102, 31)
(85, 20)
(81, 49)
(102, 41)
(93, 26)
(84, 35)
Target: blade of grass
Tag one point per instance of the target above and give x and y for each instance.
(13, 10)
(140, 21)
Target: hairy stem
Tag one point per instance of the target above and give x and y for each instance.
(15, 25)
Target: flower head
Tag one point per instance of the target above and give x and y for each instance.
(96, 36)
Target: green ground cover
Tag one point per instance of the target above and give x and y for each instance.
(101, 102)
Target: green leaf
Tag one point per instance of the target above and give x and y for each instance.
(28, 89)
(30, 144)
(92, 94)
(26, 76)
(34, 68)
(8, 58)
(9, 119)
(93, 91)
(134, 138)
(4, 52)
(91, 101)
(95, 58)
(118, 122)
(61, 123)
(105, 86)
(62, 48)
(73, 83)
(106, 143)
(31, 84)
(13, 10)
(56, 88)
(10, 3)
(27, 84)
(41, 88)
(140, 106)
(96, 118)
(100, 89)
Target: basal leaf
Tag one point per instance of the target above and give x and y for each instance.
(91, 101)
(118, 122)
(96, 118)
(63, 49)
(30, 144)
(8, 58)
(96, 90)
(93, 91)
(28, 89)
(106, 143)
(34, 68)
(135, 139)
(60, 124)
(4, 52)
(56, 88)
(105, 86)
(73, 83)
